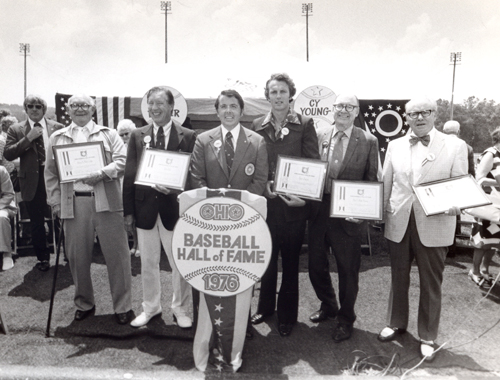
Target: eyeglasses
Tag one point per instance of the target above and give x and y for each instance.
(347, 107)
(37, 106)
(124, 134)
(74, 107)
(414, 115)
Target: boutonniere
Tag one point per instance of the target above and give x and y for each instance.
(217, 145)
(283, 132)
(147, 140)
(430, 157)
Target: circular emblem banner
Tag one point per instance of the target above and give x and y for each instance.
(221, 246)
(180, 111)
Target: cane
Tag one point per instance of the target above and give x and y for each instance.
(47, 333)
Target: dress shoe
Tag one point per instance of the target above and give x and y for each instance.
(183, 321)
(320, 316)
(285, 329)
(389, 333)
(43, 266)
(258, 318)
(80, 315)
(124, 318)
(143, 319)
(7, 263)
(427, 350)
(342, 332)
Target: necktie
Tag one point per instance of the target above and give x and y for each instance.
(336, 158)
(425, 140)
(160, 139)
(40, 147)
(229, 148)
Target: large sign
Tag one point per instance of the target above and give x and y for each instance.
(179, 113)
(316, 102)
(221, 246)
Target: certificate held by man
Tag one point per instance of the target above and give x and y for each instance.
(356, 199)
(77, 161)
(302, 177)
(163, 167)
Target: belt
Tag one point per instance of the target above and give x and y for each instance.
(84, 193)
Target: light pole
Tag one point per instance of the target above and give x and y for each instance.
(307, 8)
(24, 48)
(454, 58)
(167, 7)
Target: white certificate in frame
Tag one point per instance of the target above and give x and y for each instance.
(357, 199)
(303, 177)
(163, 167)
(76, 161)
(438, 196)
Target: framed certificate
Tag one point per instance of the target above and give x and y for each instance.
(76, 161)
(357, 199)
(163, 167)
(303, 177)
(438, 196)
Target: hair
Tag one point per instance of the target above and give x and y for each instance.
(281, 77)
(125, 124)
(4, 112)
(230, 94)
(168, 93)
(7, 121)
(89, 99)
(451, 127)
(34, 99)
(424, 98)
(495, 136)
(354, 96)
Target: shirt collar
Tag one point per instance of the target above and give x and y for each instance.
(41, 122)
(166, 127)
(89, 126)
(235, 132)
(431, 134)
(347, 132)
(291, 117)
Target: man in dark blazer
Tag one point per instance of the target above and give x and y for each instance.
(28, 141)
(285, 133)
(154, 210)
(352, 155)
(230, 157)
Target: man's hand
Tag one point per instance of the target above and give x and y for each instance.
(56, 211)
(268, 192)
(293, 200)
(354, 220)
(453, 211)
(93, 178)
(162, 189)
(129, 222)
(34, 133)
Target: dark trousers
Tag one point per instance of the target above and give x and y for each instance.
(430, 263)
(37, 210)
(287, 238)
(327, 232)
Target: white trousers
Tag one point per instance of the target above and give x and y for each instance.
(150, 242)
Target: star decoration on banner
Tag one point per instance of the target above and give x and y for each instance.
(220, 357)
(218, 322)
(218, 307)
(218, 367)
(219, 333)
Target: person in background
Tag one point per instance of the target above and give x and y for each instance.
(452, 128)
(124, 129)
(285, 133)
(7, 210)
(423, 155)
(6, 122)
(28, 141)
(486, 234)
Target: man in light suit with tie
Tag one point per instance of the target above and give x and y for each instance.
(352, 154)
(424, 155)
(230, 157)
(27, 141)
(154, 210)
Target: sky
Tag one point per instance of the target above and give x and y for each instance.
(376, 49)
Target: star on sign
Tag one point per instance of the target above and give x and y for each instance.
(220, 357)
(380, 108)
(222, 191)
(218, 367)
(389, 105)
(317, 91)
(370, 107)
(398, 108)
(218, 321)
(382, 150)
(374, 130)
(374, 114)
(218, 307)
(387, 140)
(366, 114)
(371, 122)
(219, 333)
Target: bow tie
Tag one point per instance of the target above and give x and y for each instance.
(425, 140)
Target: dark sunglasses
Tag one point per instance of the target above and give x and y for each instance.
(37, 106)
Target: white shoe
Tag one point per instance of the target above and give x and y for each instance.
(427, 350)
(8, 263)
(183, 321)
(137, 253)
(143, 319)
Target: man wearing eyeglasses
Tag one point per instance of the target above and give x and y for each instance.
(352, 155)
(28, 141)
(90, 206)
(424, 155)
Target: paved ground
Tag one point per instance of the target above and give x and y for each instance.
(98, 348)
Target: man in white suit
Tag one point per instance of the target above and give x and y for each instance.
(424, 155)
